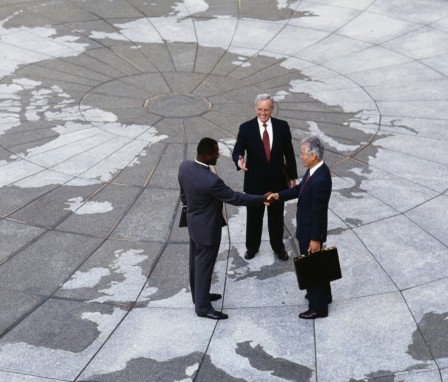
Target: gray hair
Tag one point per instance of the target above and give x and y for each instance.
(264, 97)
(314, 146)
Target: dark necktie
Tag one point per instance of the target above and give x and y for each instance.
(266, 144)
(304, 181)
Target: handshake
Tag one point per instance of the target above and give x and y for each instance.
(269, 198)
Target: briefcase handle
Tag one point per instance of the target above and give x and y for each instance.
(309, 253)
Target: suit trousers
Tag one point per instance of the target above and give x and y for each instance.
(318, 295)
(254, 226)
(202, 262)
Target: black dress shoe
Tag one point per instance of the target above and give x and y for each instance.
(282, 255)
(215, 315)
(215, 296)
(311, 315)
(249, 255)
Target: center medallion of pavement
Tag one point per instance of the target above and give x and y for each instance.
(177, 105)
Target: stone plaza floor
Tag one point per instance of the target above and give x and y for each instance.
(100, 101)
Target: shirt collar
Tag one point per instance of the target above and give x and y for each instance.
(268, 123)
(203, 164)
(313, 169)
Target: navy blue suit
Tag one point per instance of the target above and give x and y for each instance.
(203, 192)
(312, 222)
(263, 176)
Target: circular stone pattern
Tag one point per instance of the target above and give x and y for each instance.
(177, 105)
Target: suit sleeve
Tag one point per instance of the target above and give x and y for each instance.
(321, 196)
(290, 193)
(225, 194)
(183, 198)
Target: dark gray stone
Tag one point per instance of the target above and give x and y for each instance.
(146, 220)
(150, 370)
(47, 262)
(50, 208)
(433, 327)
(165, 174)
(277, 366)
(139, 173)
(14, 306)
(15, 236)
(84, 220)
(56, 325)
(183, 56)
(170, 275)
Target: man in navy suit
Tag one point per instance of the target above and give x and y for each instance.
(313, 194)
(264, 152)
(203, 192)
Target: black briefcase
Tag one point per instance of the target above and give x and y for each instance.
(317, 268)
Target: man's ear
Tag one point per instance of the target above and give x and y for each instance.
(207, 157)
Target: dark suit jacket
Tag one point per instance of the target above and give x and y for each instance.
(263, 176)
(204, 193)
(312, 206)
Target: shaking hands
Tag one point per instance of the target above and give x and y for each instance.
(269, 198)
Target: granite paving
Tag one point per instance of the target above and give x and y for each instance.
(101, 100)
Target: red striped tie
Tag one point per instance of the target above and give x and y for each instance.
(304, 181)
(266, 144)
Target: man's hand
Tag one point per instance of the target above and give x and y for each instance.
(314, 246)
(266, 199)
(292, 183)
(270, 197)
(242, 163)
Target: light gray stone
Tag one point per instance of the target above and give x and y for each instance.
(362, 275)
(408, 254)
(357, 207)
(265, 272)
(143, 335)
(414, 44)
(429, 215)
(18, 377)
(438, 63)
(444, 373)
(266, 346)
(424, 12)
(387, 329)
(376, 28)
